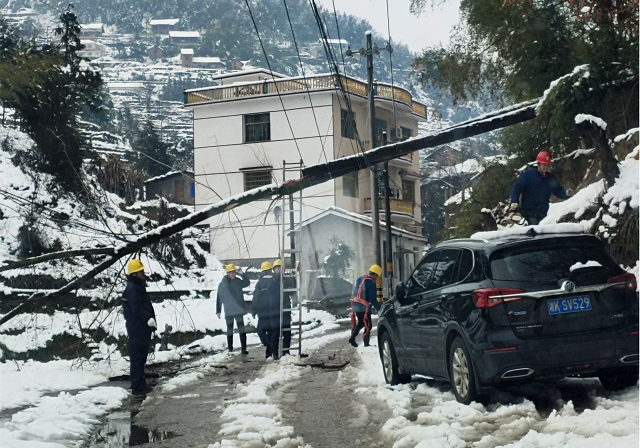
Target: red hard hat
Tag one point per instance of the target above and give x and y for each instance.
(544, 157)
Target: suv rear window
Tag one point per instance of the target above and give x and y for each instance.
(550, 263)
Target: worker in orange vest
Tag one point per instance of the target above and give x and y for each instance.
(365, 296)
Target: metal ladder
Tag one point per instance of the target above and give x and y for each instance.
(289, 250)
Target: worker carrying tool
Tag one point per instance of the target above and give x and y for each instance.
(230, 296)
(274, 296)
(536, 187)
(365, 296)
(261, 307)
(140, 320)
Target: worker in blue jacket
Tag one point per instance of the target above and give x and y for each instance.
(365, 297)
(231, 298)
(261, 307)
(536, 187)
(140, 323)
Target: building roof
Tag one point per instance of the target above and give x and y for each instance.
(91, 27)
(184, 34)
(168, 175)
(240, 73)
(163, 21)
(361, 219)
(186, 51)
(212, 60)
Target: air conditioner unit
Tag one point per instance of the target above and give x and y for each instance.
(398, 133)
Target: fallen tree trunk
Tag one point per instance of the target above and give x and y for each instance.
(8, 265)
(312, 175)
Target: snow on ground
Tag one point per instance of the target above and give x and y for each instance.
(63, 418)
(254, 420)
(440, 421)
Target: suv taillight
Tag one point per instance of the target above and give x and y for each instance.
(486, 298)
(629, 281)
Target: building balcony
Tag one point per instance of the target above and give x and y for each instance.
(401, 210)
(321, 82)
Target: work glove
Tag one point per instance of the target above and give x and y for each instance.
(514, 206)
(152, 323)
(218, 314)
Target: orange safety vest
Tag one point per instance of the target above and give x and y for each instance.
(358, 298)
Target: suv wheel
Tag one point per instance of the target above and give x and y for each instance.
(461, 371)
(390, 363)
(619, 379)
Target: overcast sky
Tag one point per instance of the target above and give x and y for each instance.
(430, 28)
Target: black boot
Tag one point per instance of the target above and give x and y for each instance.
(230, 343)
(267, 353)
(352, 340)
(243, 344)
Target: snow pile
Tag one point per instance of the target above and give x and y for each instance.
(64, 418)
(581, 118)
(426, 414)
(523, 230)
(31, 380)
(588, 264)
(253, 419)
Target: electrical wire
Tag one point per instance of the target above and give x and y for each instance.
(266, 57)
(295, 42)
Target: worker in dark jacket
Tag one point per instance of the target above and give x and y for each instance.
(274, 295)
(365, 297)
(140, 322)
(261, 306)
(230, 296)
(536, 187)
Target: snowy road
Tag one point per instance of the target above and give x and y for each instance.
(253, 403)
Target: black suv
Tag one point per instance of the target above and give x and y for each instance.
(479, 313)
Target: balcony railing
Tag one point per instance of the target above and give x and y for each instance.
(267, 87)
(396, 205)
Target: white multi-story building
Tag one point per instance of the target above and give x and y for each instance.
(248, 125)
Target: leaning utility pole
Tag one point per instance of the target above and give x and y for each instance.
(387, 220)
(375, 215)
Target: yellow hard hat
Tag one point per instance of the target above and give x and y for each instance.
(230, 268)
(134, 265)
(277, 263)
(265, 266)
(376, 270)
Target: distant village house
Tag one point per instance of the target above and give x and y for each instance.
(184, 38)
(164, 26)
(154, 53)
(91, 30)
(175, 186)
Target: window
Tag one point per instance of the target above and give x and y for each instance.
(350, 184)
(552, 262)
(347, 126)
(443, 274)
(256, 178)
(409, 191)
(406, 133)
(257, 128)
(465, 265)
(422, 275)
(381, 126)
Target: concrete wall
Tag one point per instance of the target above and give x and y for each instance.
(220, 155)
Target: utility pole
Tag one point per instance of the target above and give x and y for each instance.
(375, 215)
(387, 220)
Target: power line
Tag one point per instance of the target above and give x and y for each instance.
(266, 57)
(295, 42)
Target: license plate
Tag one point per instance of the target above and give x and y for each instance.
(569, 305)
